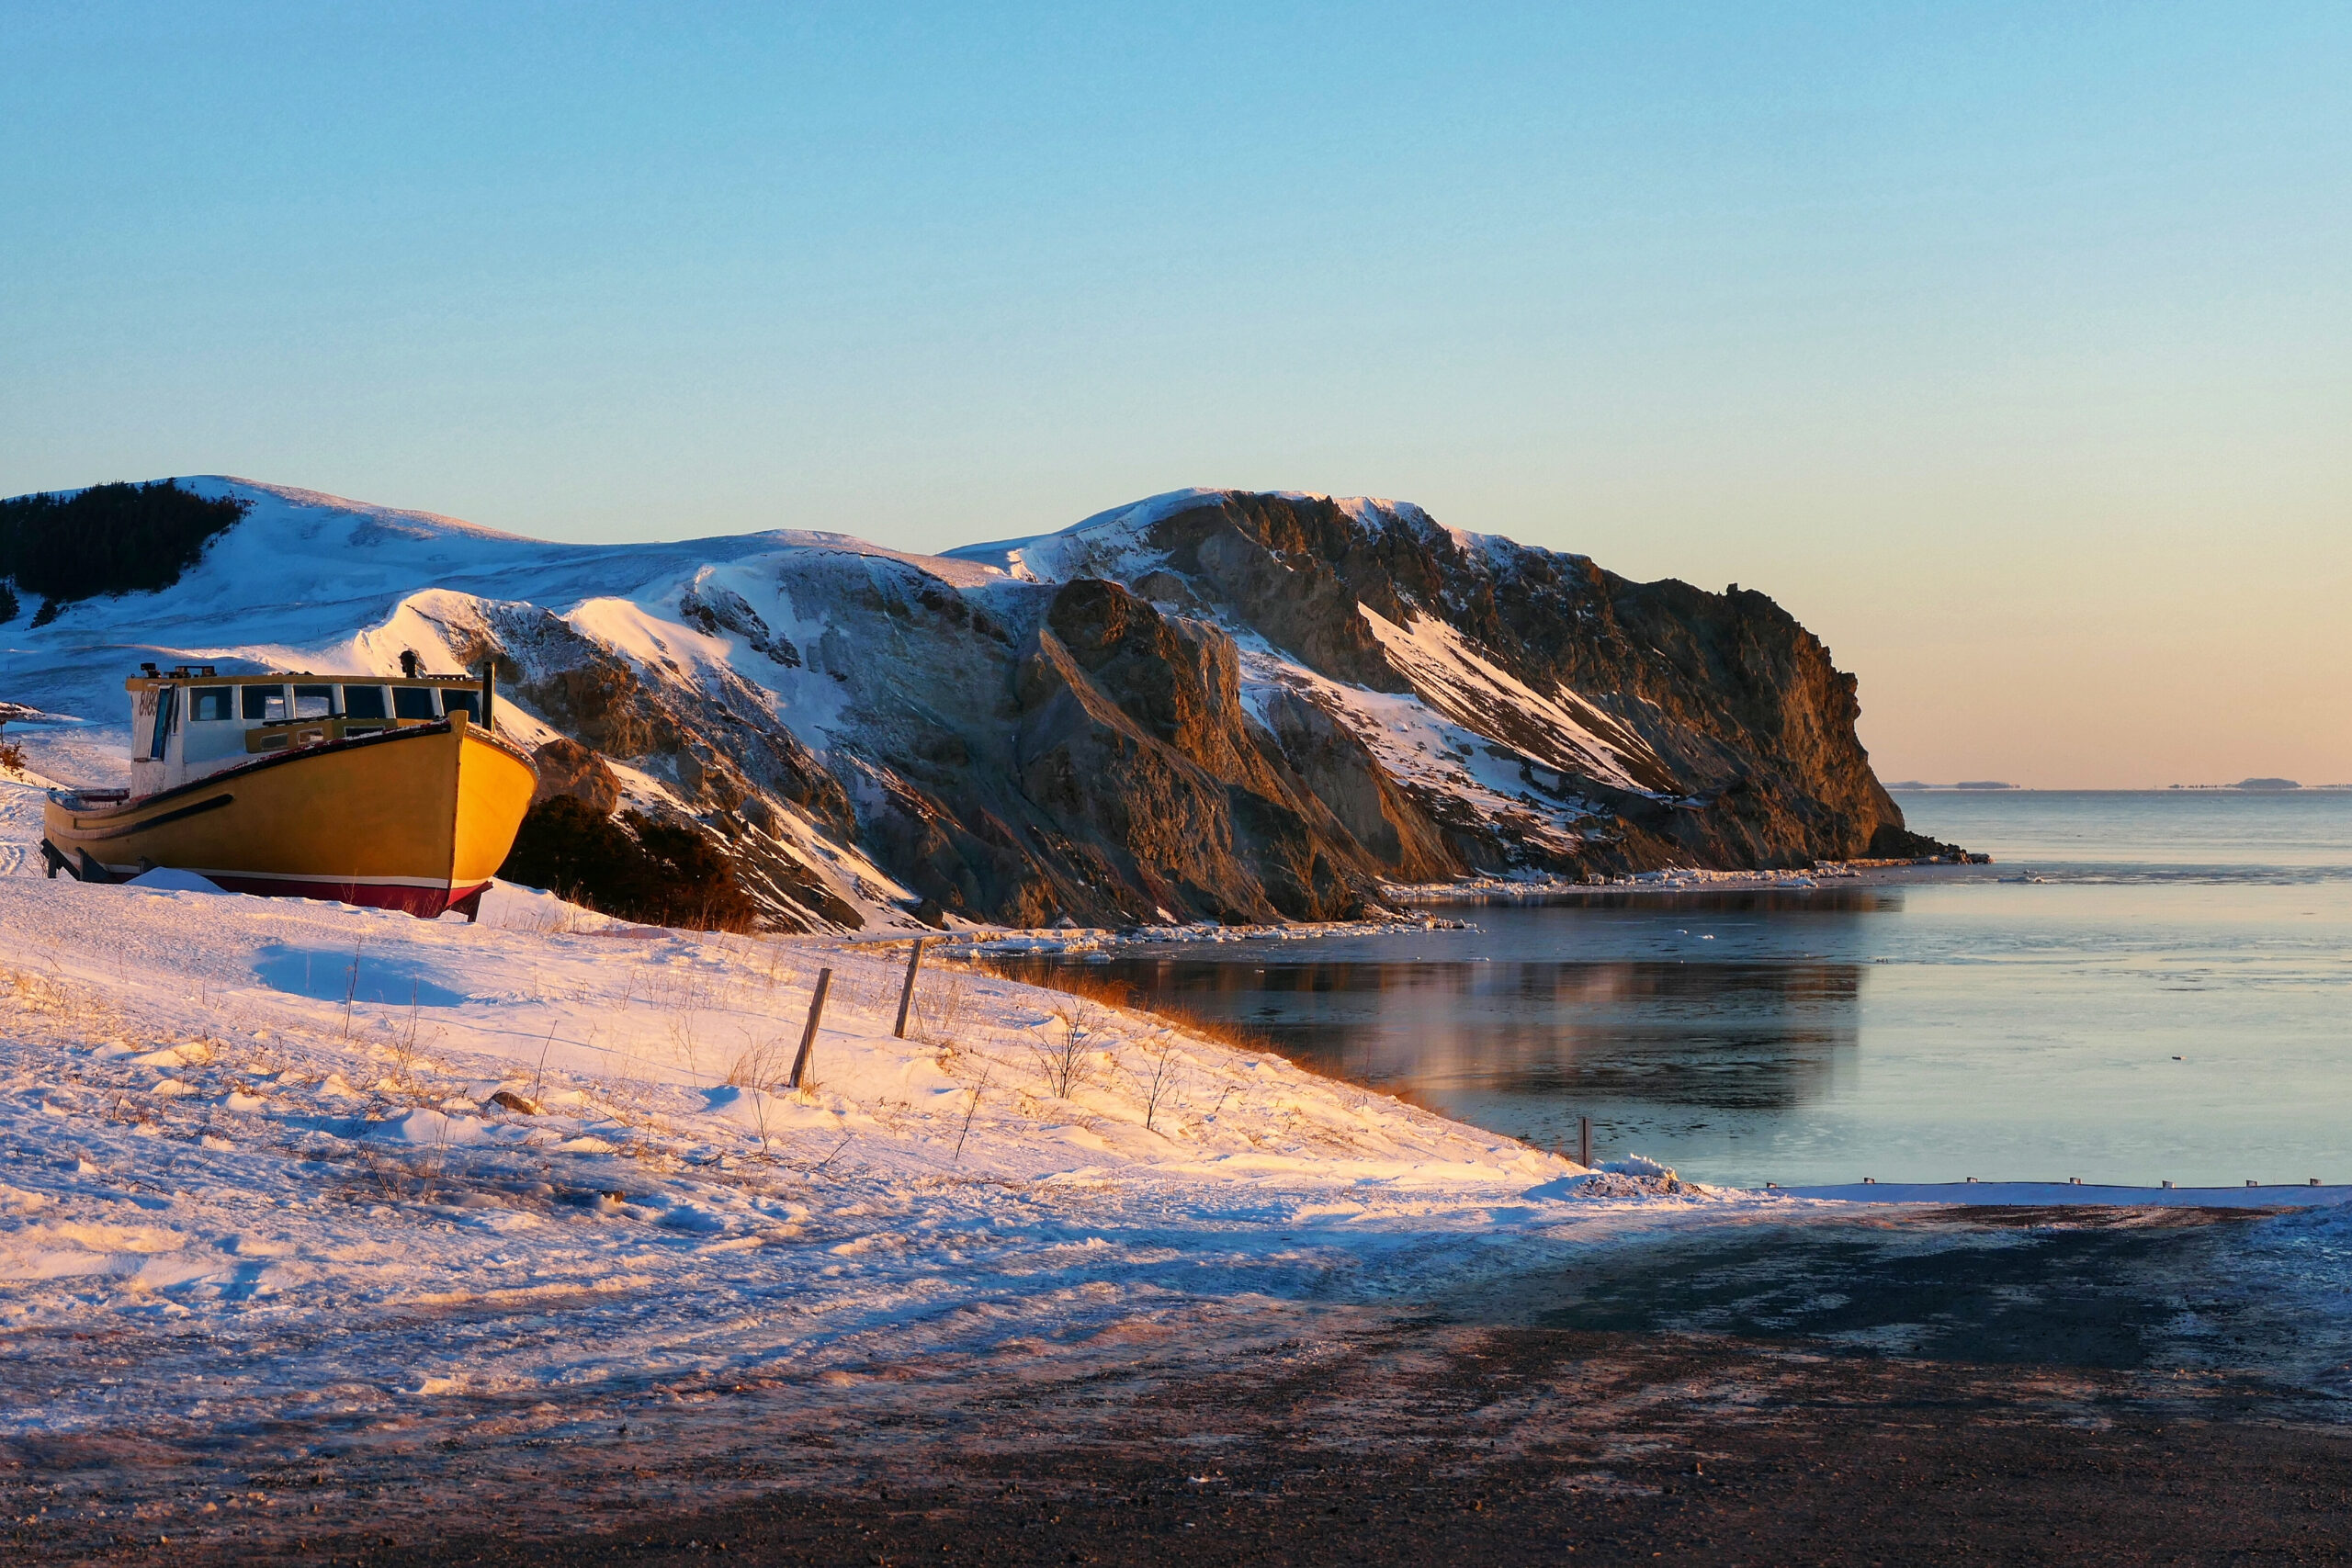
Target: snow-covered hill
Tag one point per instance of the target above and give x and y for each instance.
(311, 582)
(1208, 705)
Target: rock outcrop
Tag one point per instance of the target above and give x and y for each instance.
(566, 767)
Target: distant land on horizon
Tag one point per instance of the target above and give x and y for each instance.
(1964, 784)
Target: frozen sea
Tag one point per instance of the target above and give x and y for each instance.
(2145, 986)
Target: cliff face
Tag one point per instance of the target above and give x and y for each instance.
(1554, 714)
(1026, 752)
(1208, 706)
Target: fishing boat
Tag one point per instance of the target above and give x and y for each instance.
(392, 790)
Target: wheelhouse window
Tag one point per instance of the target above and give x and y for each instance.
(454, 698)
(363, 702)
(314, 701)
(264, 703)
(211, 705)
(413, 702)
(165, 700)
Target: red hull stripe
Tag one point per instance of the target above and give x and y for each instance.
(426, 902)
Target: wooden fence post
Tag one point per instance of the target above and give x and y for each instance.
(907, 996)
(1584, 1142)
(802, 1059)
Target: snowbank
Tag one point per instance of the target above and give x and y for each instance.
(163, 879)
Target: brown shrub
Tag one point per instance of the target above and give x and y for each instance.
(1117, 993)
(632, 867)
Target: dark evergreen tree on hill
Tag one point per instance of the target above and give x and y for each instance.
(113, 539)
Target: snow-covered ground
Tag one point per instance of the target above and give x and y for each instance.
(256, 1147)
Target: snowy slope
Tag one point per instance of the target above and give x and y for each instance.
(1562, 730)
(1108, 544)
(312, 582)
(256, 1156)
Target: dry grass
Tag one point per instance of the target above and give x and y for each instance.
(944, 1011)
(763, 1063)
(1119, 994)
(31, 991)
(866, 984)
(776, 972)
(1160, 1076)
(1067, 1052)
(685, 1045)
(971, 1111)
(1053, 977)
(407, 1043)
(351, 983)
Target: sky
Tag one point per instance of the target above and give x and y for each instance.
(2008, 346)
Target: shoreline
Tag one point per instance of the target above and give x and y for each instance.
(1685, 879)
(1050, 941)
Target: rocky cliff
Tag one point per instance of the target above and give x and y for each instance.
(1213, 704)
(1464, 701)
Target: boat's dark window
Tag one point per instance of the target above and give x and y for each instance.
(265, 701)
(413, 702)
(314, 701)
(363, 702)
(208, 703)
(454, 698)
(163, 701)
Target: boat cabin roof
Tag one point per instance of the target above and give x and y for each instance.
(148, 676)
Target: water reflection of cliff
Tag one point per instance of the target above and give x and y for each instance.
(1736, 1035)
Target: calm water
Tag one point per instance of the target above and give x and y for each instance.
(2170, 998)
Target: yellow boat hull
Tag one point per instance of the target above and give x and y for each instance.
(415, 819)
